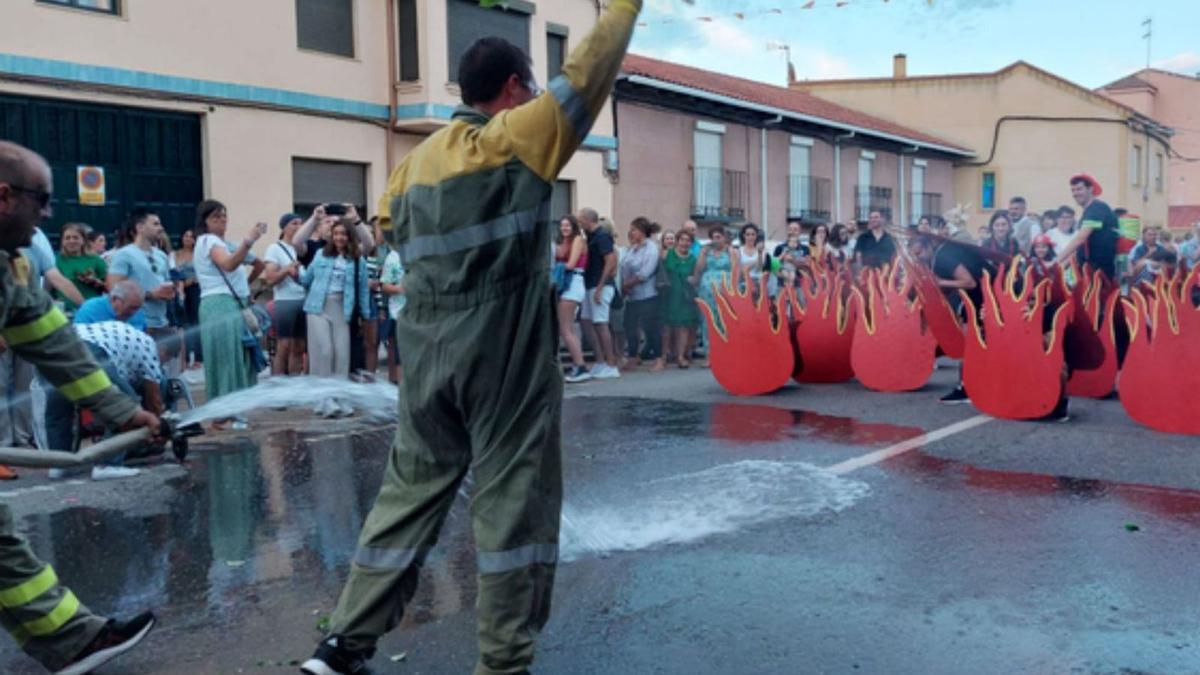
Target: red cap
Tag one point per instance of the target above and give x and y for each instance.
(1096, 189)
(1043, 239)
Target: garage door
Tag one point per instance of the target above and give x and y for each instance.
(151, 159)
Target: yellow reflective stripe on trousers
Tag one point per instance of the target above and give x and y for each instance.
(86, 386)
(57, 618)
(36, 330)
(22, 593)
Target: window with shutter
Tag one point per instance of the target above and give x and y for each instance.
(406, 17)
(326, 26)
(317, 181)
(467, 22)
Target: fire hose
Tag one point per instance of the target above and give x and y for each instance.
(176, 433)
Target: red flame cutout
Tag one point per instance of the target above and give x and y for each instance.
(941, 318)
(824, 330)
(892, 349)
(1091, 339)
(753, 355)
(1014, 375)
(1160, 380)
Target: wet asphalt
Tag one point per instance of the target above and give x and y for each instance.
(704, 539)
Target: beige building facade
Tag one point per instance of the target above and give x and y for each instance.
(722, 150)
(1174, 100)
(1030, 130)
(270, 106)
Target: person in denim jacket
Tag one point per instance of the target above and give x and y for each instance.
(337, 282)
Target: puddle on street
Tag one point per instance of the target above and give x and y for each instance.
(278, 517)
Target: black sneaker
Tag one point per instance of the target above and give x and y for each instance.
(578, 374)
(331, 658)
(959, 395)
(1062, 412)
(116, 638)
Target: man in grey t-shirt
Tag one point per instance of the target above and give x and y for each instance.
(147, 264)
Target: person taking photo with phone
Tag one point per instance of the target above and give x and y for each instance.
(224, 295)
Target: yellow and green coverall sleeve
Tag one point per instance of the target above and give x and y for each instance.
(38, 332)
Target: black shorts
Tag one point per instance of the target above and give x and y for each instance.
(290, 321)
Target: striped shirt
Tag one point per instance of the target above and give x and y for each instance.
(132, 352)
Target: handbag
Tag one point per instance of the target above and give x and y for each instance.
(618, 301)
(561, 277)
(252, 329)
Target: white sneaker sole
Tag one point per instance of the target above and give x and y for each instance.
(105, 655)
(317, 667)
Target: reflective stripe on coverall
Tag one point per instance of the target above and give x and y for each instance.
(43, 616)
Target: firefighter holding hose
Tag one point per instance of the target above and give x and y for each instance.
(42, 615)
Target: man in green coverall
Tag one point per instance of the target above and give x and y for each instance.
(43, 616)
(469, 214)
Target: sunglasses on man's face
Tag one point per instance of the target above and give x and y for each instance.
(40, 196)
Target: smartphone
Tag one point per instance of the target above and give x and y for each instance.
(335, 209)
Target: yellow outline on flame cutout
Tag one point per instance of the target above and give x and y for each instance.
(1176, 296)
(1042, 290)
(724, 310)
(875, 286)
(839, 283)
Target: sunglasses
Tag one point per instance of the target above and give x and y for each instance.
(40, 196)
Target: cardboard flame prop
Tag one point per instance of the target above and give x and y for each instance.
(1091, 338)
(1160, 380)
(1008, 369)
(753, 354)
(943, 322)
(824, 331)
(892, 350)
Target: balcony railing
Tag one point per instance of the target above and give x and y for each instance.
(810, 198)
(925, 204)
(872, 198)
(718, 194)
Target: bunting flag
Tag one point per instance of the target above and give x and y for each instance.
(746, 14)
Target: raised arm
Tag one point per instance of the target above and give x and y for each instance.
(545, 132)
(300, 239)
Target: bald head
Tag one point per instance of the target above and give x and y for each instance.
(20, 165)
(588, 218)
(25, 188)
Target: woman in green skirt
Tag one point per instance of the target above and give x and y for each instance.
(224, 292)
(681, 314)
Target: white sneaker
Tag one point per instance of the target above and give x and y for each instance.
(57, 474)
(605, 372)
(113, 472)
(342, 409)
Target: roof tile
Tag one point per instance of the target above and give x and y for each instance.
(773, 96)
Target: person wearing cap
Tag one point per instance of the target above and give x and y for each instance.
(1096, 241)
(282, 274)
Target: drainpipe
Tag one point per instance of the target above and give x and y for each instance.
(766, 219)
(837, 175)
(904, 193)
(393, 56)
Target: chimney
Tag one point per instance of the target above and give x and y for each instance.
(899, 66)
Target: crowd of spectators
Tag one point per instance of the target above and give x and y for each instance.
(642, 295)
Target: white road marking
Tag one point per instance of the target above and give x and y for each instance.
(872, 458)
